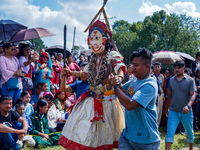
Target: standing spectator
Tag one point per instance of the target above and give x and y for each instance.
(10, 70)
(82, 59)
(59, 59)
(8, 117)
(195, 64)
(160, 81)
(73, 67)
(28, 64)
(44, 73)
(141, 130)
(129, 75)
(56, 71)
(181, 95)
(197, 103)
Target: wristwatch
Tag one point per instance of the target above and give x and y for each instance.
(189, 106)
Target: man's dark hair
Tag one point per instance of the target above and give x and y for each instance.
(144, 53)
(179, 63)
(197, 54)
(5, 97)
(38, 85)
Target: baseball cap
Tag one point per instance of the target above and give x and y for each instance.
(47, 93)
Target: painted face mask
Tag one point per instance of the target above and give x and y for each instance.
(98, 34)
(96, 41)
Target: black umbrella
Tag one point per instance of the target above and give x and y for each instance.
(8, 28)
(58, 49)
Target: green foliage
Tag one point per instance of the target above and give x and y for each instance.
(38, 44)
(158, 32)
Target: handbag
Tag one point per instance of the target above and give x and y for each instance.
(12, 83)
(27, 83)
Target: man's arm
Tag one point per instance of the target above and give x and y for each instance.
(169, 98)
(126, 101)
(6, 129)
(24, 122)
(186, 109)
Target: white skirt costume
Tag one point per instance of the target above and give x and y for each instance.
(94, 122)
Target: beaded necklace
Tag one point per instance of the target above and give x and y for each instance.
(94, 81)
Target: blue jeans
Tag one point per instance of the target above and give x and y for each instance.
(125, 144)
(15, 94)
(173, 120)
(7, 141)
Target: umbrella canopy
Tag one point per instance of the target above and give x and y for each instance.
(58, 49)
(188, 59)
(29, 34)
(165, 57)
(8, 28)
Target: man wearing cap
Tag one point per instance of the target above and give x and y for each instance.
(160, 81)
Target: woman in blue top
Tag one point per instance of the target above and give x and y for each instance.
(44, 72)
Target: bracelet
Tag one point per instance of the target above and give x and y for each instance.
(189, 106)
(115, 87)
(17, 132)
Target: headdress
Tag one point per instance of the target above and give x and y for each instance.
(101, 27)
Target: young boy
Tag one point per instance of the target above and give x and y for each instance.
(8, 118)
(20, 109)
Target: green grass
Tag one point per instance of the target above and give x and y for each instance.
(180, 142)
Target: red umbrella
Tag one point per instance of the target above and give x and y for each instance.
(29, 34)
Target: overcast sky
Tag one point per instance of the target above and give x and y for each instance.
(53, 14)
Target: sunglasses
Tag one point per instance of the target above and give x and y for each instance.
(13, 49)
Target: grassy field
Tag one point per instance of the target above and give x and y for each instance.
(180, 142)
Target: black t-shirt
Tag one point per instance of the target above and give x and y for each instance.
(10, 119)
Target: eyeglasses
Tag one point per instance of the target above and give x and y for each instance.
(44, 56)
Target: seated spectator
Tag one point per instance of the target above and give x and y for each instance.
(53, 89)
(41, 128)
(45, 87)
(59, 100)
(25, 99)
(8, 118)
(56, 117)
(28, 139)
(80, 86)
(35, 97)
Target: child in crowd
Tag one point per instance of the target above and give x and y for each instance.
(56, 117)
(20, 109)
(41, 127)
(44, 86)
(35, 97)
(25, 98)
(59, 100)
(71, 99)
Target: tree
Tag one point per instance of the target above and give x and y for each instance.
(38, 44)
